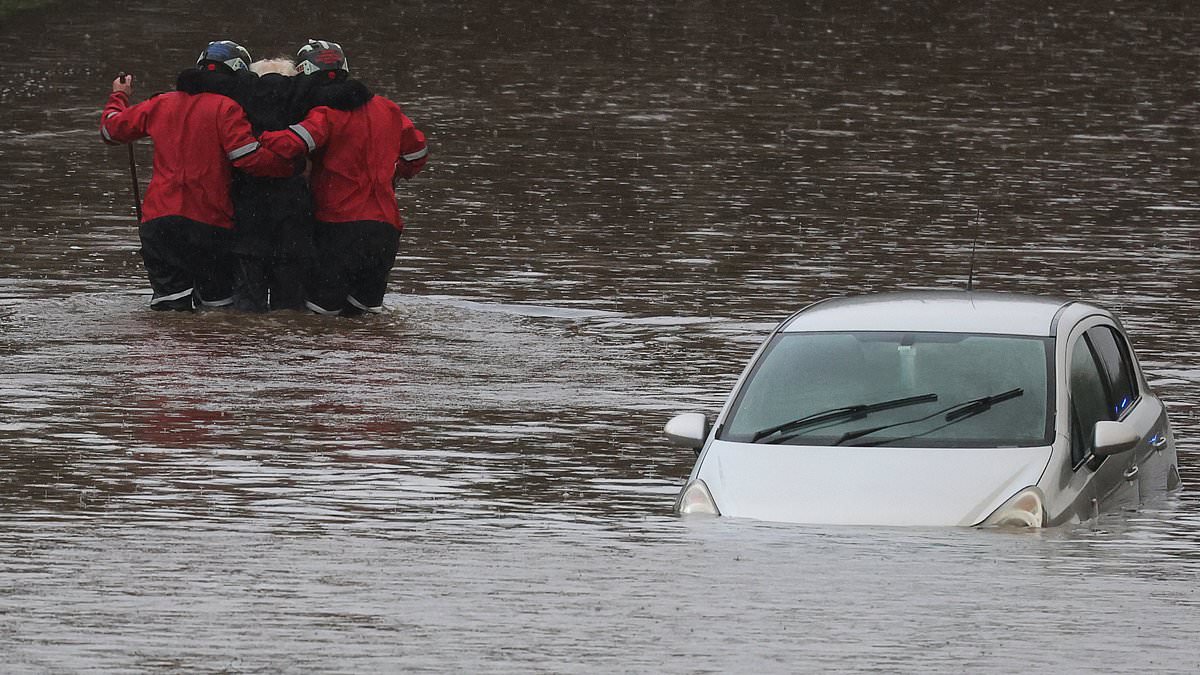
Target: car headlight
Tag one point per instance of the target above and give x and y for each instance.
(1023, 510)
(695, 498)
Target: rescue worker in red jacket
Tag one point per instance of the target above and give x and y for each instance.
(362, 144)
(199, 135)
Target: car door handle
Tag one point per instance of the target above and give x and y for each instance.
(1131, 472)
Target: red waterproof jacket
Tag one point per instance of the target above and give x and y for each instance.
(358, 155)
(198, 138)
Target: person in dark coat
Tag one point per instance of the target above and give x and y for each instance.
(273, 231)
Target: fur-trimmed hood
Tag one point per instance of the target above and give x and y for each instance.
(275, 101)
(339, 94)
(233, 85)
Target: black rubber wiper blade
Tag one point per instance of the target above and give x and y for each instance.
(954, 413)
(843, 412)
(976, 406)
(859, 433)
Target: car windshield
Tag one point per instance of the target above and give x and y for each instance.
(897, 390)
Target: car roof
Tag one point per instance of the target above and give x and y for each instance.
(936, 311)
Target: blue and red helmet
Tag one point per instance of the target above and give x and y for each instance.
(322, 55)
(225, 53)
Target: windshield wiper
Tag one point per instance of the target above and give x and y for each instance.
(954, 413)
(844, 412)
(976, 406)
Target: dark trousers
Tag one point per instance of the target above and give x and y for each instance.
(273, 242)
(351, 271)
(189, 264)
(264, 283)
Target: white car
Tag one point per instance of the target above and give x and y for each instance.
(934, 408)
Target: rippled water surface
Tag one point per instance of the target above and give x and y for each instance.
(624, 197)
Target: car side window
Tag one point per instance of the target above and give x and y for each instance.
(1089, 399)
(1114, 358)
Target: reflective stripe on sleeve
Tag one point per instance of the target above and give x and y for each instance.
(104, 130)
(414, 156)
(304, 136)
(243, 151)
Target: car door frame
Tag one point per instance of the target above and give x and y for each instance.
(1150, 465)
(1103, 483)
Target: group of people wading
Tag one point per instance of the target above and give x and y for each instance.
(274, 182)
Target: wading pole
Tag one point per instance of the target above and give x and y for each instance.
(137, 194)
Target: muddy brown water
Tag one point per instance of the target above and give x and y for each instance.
(623, 199)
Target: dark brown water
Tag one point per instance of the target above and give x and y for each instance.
(623, 198)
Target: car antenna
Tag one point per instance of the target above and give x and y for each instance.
(974, 239)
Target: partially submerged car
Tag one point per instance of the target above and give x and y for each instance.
(934, 408)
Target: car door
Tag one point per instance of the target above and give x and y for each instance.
(1110, 481)
(1132, 406)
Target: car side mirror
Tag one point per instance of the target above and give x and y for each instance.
(688, 430)
(1112, 438)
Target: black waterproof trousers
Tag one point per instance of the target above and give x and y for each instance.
(350, 275)
(273, 242)
(189, 264)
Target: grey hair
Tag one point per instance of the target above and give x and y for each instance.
(281, 65)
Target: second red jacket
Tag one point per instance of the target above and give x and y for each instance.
(357, 156)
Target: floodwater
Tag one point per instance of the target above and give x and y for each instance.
(624, 197)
